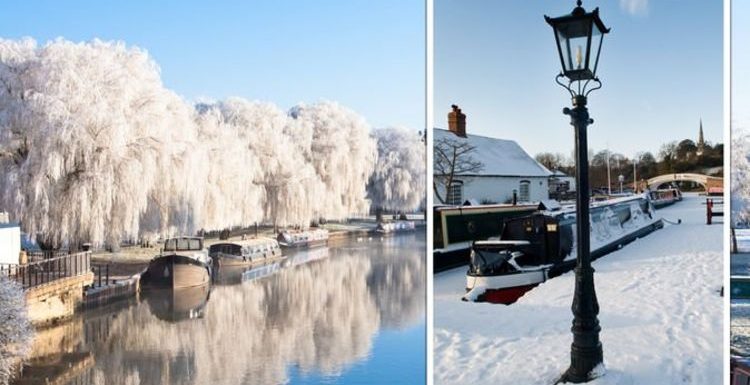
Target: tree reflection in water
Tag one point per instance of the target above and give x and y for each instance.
(320, 317)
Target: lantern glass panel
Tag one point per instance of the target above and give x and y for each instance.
(574, 53)
(596, 44)
(573, 37)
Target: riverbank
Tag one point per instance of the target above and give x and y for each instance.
(661, 315)
(335, 315)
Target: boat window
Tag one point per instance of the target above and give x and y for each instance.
(226, 248)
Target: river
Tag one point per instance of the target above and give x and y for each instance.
(353, 313)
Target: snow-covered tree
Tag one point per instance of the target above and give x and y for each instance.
(89, 126)
(398, 182)
(451, 157)
(15, 329)
(94, 148)
(289, 186)
(342, 153)
(740, 176)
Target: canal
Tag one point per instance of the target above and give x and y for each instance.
(350, 313)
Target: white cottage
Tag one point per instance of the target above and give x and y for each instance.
(10, 241)
(507, 168)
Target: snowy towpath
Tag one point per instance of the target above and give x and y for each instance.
(661, 316)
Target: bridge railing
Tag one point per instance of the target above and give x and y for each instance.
(48, 270)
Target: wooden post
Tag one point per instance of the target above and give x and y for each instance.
(709, 203)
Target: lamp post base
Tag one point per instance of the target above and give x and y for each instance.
(581, 369)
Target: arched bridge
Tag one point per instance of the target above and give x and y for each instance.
(708, 182)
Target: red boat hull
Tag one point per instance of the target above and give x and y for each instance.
(505, 296)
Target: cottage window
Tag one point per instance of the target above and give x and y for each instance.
(455, 193)
(524, 191)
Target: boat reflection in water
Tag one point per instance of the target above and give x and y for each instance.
(311, 320)
(178, 304)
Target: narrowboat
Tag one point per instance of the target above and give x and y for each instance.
(303, 238)
(388, 228)
(664, 197)
(456, 227)
(740, 287)
(540, 246)
(244, 252)
(739, 370)
(182, 263)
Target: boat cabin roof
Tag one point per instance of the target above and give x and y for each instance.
(500, 243)
(183, 244)
(249, 242)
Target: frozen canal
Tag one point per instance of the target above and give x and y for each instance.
(347, 314)
(661, 315)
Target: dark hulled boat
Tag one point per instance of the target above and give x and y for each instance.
(540, 246)
(183, 263)
(456, 227)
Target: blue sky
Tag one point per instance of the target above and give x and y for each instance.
(740, 64)
(661, 66)
(367, 55)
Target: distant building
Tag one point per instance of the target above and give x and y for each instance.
(10, 241)
(507, 168)
(701, 145)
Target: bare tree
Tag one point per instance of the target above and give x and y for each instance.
(452, 157)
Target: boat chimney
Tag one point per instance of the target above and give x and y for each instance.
(457, 121)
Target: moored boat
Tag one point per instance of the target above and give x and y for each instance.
(183, 263)
(303, 238)
(739, 370)
(739, 287)
(664, 197)
(386, 228)
(244, 252)
(456, 227)
(540, 246)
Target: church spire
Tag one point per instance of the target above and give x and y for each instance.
(701, 143)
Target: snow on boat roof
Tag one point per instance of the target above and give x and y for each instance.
(496, 242)
(500, 157)
(248, 242)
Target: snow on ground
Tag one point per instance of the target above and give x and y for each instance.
(661, 316)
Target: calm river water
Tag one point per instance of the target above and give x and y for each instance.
(353, 313)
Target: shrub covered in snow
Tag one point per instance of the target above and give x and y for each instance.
(15, 329)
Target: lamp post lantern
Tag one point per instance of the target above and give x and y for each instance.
(579, 38)
(621, 178)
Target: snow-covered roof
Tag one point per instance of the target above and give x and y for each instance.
(500, 157)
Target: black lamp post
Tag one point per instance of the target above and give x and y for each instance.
(579, 38)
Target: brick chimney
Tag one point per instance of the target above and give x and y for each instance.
(457, 121)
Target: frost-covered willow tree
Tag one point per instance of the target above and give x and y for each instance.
(740, 176)
(94, 148)
(342, 153)
(398, 182)
(15, 329)
(288, 187)
(88, 130)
